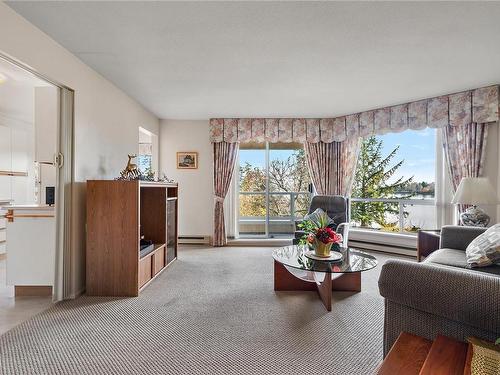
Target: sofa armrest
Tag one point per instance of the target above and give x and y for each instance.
(461, 295)
(458, 237)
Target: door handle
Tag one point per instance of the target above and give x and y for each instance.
(59, 160)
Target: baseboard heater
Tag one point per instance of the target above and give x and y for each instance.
(410, 251)
(195, 240)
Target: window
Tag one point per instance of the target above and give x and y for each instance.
(145, 158)
(394, 186)
(273, 189)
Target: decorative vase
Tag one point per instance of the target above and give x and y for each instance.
(322, 249)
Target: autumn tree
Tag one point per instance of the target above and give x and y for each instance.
(285, 175)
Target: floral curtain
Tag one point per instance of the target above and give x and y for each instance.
(479, 106)
(465, 148)
(224, 154)
(332, 165)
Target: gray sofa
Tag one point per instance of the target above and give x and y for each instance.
(441, 295)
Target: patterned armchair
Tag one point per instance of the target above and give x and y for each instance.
(336, 207)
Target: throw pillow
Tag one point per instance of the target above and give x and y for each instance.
(484, 250)
(317, 214)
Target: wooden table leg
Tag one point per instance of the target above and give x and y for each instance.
(348, 282)
(325, 290)
(285, 281)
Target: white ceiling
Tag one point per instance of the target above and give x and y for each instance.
(196, 60)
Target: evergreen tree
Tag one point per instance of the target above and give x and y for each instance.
(373, 173)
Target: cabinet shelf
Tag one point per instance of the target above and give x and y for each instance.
(156, 246)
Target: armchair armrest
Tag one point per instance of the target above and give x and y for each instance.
(461, 295)
(343, 229)
(458, 237)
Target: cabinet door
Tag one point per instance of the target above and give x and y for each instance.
(5, 187)
(21, 192)
(21, 150)
(171, 230)
(145, 268)
(158, 260)
(5, 149)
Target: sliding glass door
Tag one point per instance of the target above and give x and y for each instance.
(273, 189)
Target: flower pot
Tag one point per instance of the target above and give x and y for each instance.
(322, 249)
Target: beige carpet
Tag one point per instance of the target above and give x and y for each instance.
(213, 311)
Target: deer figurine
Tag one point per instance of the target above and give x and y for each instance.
(130, 171)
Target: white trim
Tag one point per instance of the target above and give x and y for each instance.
(445, 211)
(408, 241)
(383, 248)
(63, 281)
(260, 242)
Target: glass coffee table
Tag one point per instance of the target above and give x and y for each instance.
(294, 271)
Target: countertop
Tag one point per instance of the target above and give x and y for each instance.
(30, 207)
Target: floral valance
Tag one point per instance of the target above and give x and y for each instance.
(479, 105)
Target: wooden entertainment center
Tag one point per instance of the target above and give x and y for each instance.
(119, 213)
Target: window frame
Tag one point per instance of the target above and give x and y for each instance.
(234, 228)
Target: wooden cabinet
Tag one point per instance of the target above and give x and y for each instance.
(158, 260)
(145, 273)
(118, 214)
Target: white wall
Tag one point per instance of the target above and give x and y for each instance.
(106, 120)
(195, 186)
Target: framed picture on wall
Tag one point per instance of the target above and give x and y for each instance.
(187, 160)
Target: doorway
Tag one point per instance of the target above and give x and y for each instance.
(36, 176)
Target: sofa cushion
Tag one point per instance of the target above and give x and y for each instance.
(448, 257)
(457, 258)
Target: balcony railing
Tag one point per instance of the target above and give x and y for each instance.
(285, 208)
(407, 216)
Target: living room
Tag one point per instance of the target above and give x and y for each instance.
(251, 188)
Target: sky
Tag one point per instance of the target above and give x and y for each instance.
(417, 148)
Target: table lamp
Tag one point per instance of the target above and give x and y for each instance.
(474, 191)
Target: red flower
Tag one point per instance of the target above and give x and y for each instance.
(325, 235)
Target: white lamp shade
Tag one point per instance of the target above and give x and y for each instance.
(475, 190)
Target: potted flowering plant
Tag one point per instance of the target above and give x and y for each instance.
(319, 236)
